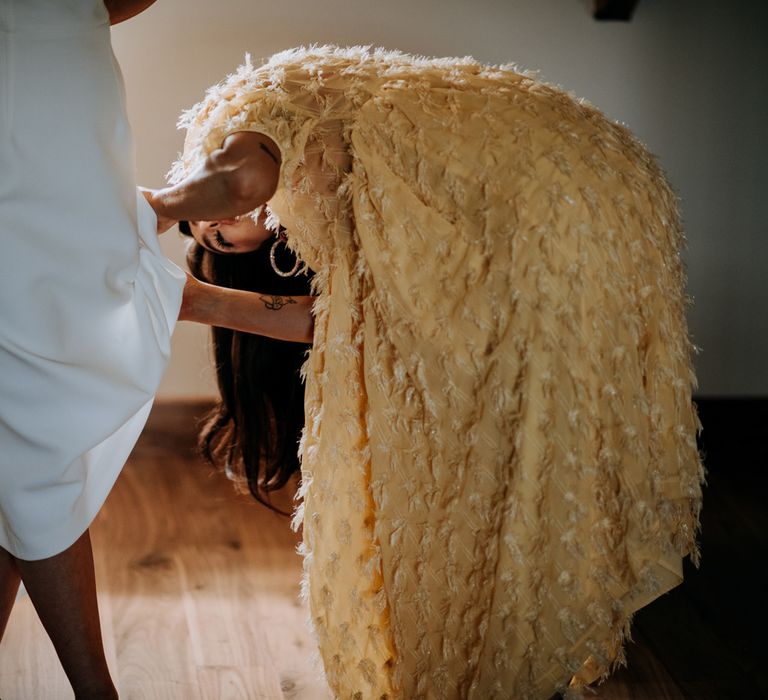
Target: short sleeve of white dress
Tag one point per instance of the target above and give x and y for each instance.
(87, 300)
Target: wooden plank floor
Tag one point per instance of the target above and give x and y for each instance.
(199, 587)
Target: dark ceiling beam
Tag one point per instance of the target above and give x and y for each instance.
(614, 9)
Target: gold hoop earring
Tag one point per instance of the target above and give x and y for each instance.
(281, 238)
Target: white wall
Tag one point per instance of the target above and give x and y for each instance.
(687, 76)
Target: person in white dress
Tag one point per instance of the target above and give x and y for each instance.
(87, 306)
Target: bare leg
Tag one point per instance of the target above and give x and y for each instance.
(9, 585)
(63, 591)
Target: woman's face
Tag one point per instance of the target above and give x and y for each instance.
(239, 235)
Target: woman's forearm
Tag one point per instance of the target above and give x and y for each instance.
(121, 10)
(280, 317)
(233, 180)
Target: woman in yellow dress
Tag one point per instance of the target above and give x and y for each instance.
(499, 462)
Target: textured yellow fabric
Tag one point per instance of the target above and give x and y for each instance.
(499, 462)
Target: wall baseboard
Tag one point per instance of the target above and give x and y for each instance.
(173, 425)
(733, 432)
(734, 429)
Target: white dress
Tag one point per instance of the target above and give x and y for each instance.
(87, 300)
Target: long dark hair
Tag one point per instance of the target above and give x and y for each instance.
(254, 430)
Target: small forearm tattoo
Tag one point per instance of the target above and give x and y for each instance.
(274, 303)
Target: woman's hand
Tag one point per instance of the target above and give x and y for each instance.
(163, 222)
(191, 300)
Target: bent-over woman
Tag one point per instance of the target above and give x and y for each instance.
(499, 463)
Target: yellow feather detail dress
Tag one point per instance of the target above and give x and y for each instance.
(499, 460)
